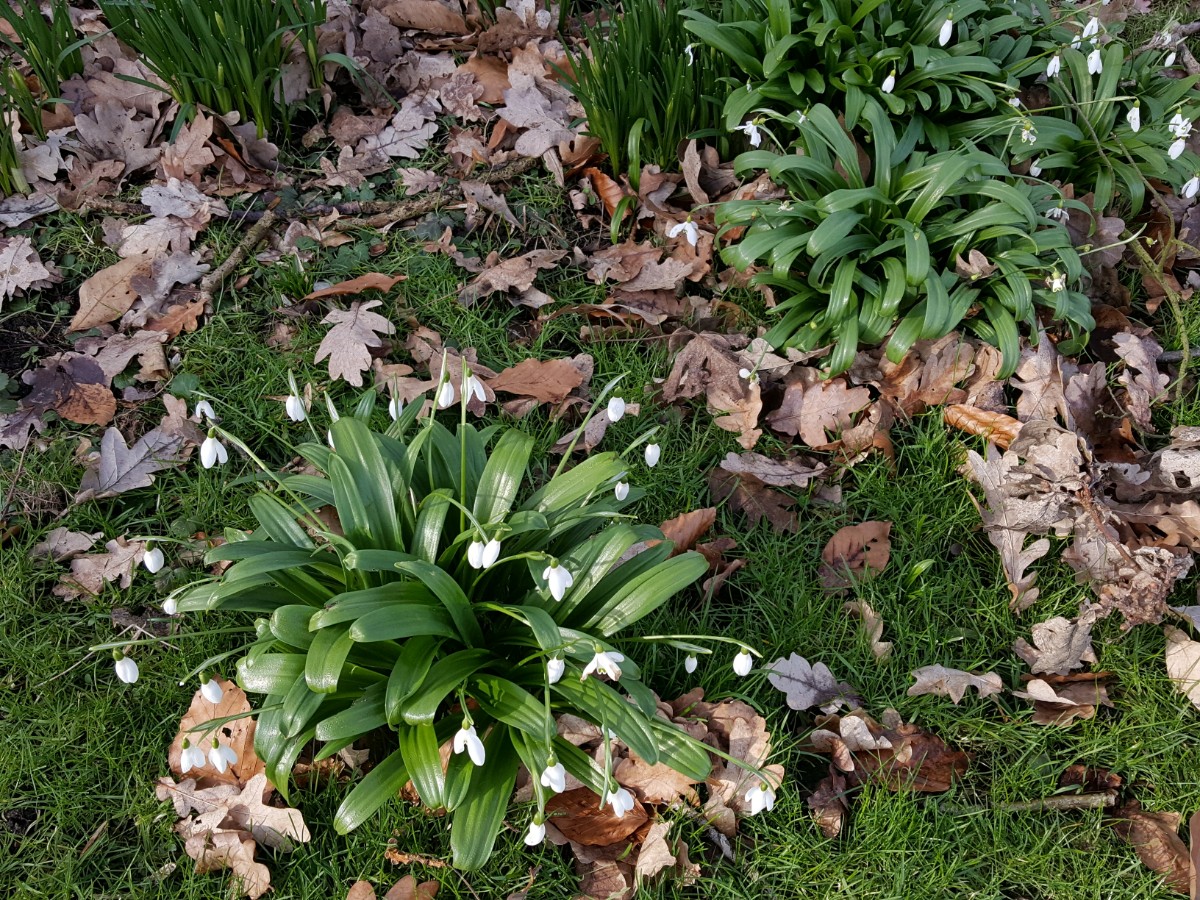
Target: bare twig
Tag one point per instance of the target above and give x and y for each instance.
(216, 278)
(1062, 802)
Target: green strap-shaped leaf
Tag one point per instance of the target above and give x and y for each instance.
(363, 715)
(278, 520)
(376, 560)
(290, 624)
(444, 676)
(326, 657)
(647, 592)
(348, 606)
(502, 476)
(603, 704)
(427, 535)
(571, 487)
(446, 589)
(513, 705)
(270, 673)
(379, 786)
(356, 447)
(479, 819)
(402, 620)
(412, 665)
(419, 745)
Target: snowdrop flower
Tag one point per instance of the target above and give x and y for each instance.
(1054, 66)
(1176, 149)
(801, 118)
(170, 605)
(555, 666)
(210, 690)
(1094, 63)
(621, 801)
(1191, 187)
(491, 553)
(558, 579)
(221, 756)
(889, 83)
(555, 776)
(688, 228)
(749, 375)
(1091, 29)
(760, 797)
(536, 833)
(1180, 127)
(1170, 60)
(468, 740)
(475, 554)
(1058, 214)
(190, 757)
(294, 406)
(1134, 116)
(743, 662)
(616, 409)
(605, 663)
(690, 664)
(213, 452)
(1014, 102)
(1028, 132)
(690, 51)
(653, 452)
(1057, 282)
(445, 395)
(127, 669)
(621, 491)
(473, 387)
(395, 407)
(154, 559)
(947, 31)
(750, 129)
(1035, 170)
(204, 411)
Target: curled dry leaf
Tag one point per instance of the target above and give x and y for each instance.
(1183, 664)
(828, 803)
(685, 530)
(753, 498)
(872, 626)
(109, 293)
(1062, 704)
(89, 574)
(953, 683)
(855, 553)
(544, 381)
(997, 427)
(21, 268)
(1155, 838)
(372, 281)
(121, 468)
(62, 544)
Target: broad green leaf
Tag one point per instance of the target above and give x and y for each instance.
(379, 786)
(479, 819)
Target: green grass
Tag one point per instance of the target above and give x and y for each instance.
(79, 753)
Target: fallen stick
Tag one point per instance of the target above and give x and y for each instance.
(216, 278)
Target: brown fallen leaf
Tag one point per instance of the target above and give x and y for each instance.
(1062, 704)
(121, 468)
(372, 281)
(791, 471)
(1060, 645)
(657, 783)
(407, 888)
(750, 496)
(108, 294)
(62, 544)
(828, 803)
(1183, 663)
(21, 268)
(809, 685)
(348, 341)
(361, 890)
(89, 574)
(707, 364)
(854, 553)
(1155, 838)
(872, 626)
(512, 275)
(610, 192)
(685, 530)
(655, 854)
(580, 817)
(545, 381)
(813, 408)
(953, 683)
(996, 427)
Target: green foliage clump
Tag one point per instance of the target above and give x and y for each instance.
(49, 47)
(410, 619)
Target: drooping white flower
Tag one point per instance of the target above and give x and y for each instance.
(750, 129)
(801, 118)
(653, 452)
(221, 756)
(1054, 66)
(1176, 149)
(475, 554)
(889, 83)
(1191, 187)
(473, 387)
(1058, 214)
(467, 739)
(210, 690)
(555, 776)
(395, 408)
(1057, 281)
(690, 664)
(1035, 170)
(213, 452)
(558, 579)
(445, 395)
(1094, 62)
(1091, 29)
(621, 491)
(190, 757)
(555, 666)
(620, 800)
(688, 228)
(1170, 60)
(1134, 116)
(294, 406)
(204, 411)
(946, 32)
(536, 833)
(1014, 102)
(616, 408)
(491, 553)
(760, 797)
(154, 559)
(605, 663)
(170, 605)
(743, 662)
(1180, 127)
(690, 51)
(749, 375)
(1028, 132)
(127, 669)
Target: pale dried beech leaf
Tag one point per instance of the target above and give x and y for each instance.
(348, 341)
(545, 381)
(953, 683)
(20, 267)
(655, 854)
(685, 530)
(1183, 664)
(63, 544)
(109, 293)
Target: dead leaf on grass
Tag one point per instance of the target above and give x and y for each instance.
(62, 544)
(109, 294)
(512, 275)
(855, 553)
(580, 817)
(872, 626)
(89, 574)
(372, 281)
(1155, 838)
(750, 496)
(237, 734)
(21, 268)
(828, 803)
(1062, 704)
(685, 530)
(1060, 645)
(543, 381)
(807, 685)
(1183, 663)
(953, 683)
(348, 341)
(121, 468)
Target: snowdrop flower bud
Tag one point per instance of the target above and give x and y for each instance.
(1014, 102)
(801, 118)
(1176, 149)
(445, 395)
(1035, 170)
(1191, 187)
(750, 129)
(475, 555)
(221, 757)
(1134, 116)
(204, 411)
(743, 662)
(1054, 66)
(1058, 213)
(690, 664)
(473, 387)
(127, 669)
(558, 579)
(653, 452)
(689, 230)
(294, 406)
(395, 407)
(621, 491)
(889, 83)
(1028, 132)
(213, 452)
(190, 757)
(210, 690)
(1170, 60)
(491, 553)
(621, 801)
(154, 559)
(170, 605)
(1094, 63)
(468, 740)
(1091, 29)
(555, 666)
(555, 776)
(605, 663)
(947, 31)
(760, 797)
(616, 409)
(536, 833)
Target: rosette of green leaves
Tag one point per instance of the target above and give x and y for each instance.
(386, 625)
(794, 54)
(856, 257)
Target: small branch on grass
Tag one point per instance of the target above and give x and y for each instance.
(1150, 266)
(214, 279)
(1062, 802)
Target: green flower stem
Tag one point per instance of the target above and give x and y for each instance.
(115, 645)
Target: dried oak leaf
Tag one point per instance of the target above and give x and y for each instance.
(814, 408)
(653, 784)
(1062, 704)
(62, 544)
(707, 365)
(580, 817)
(90, 573)
(855, 553)
(348, 341)
(238, 734)
(407, 888)
(515, 274)
(896, 755)
(74, 386)
(1143, 383)
(372, 281)
(872, 626)
(793, 471)
(1136, 582)
(685, 530)
(20, 267)
(807, 685)
(928, 375)
(121, 468)
(1183, 664)
(828, 803)
(750, 496)
(544, 381)
(1154, 836)
(953, 683)
(1060, 645)
(1039, 378)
